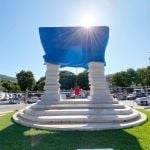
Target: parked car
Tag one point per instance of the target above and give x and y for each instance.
(139, 95)
(33, 99)
(15, 99)
(120, 96)
(4, 96)
(131, 97)
(148, 91)
(143, 101)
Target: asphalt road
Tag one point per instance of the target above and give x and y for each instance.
(131, 103)
(6, 107)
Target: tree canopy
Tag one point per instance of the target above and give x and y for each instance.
(67, 80)
(25, 80)
(40, 84)
(82, 80)
(130, 77)
(9, 85)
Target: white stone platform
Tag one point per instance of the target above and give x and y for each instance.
(84, 115)
(99, 112)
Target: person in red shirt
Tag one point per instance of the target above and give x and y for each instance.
(77, 92)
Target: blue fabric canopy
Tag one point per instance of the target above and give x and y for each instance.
(74, 46)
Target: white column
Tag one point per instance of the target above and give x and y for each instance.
(51, 88)
(98, 86)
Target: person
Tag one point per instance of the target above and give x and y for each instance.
(77, 92)
(115, 95)
(82, 93)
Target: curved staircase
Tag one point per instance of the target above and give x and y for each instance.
(79, 115)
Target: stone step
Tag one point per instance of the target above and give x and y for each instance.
(96, 75)
(52, 73)
(82, 126)
(51, 87)
(98, 88)
(98, 82)
(74, 106)
(47, 96)
(99, 92)
(69, 112)
(49, 92)
(80, 118)
(52, 84)
(78, 101)
(100, 98)
(52, 81)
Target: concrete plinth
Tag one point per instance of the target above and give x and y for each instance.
(99, 112)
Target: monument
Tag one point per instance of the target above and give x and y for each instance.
(77, 47)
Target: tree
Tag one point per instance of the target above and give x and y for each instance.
(147, 76)
(1, 87)
(6, 84)
(15, 87)
(25, 80)
(126, 79)
(40, 84)
(131, 76)
(67, 80)
(82, 80)
(10, 86)
(140, 77)
(116, 80)
(120, 79)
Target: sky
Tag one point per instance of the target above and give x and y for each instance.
(21, 49)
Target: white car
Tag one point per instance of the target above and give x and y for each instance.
(131, 97)
(143, 101)
(4, 96)
(33, 99)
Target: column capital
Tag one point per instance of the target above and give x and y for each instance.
(52, 66)
(95, 64)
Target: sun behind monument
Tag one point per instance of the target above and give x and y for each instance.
(88, 21)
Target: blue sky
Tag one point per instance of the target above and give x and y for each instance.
(20, 46)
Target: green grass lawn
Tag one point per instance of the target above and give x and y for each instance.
(17, 137)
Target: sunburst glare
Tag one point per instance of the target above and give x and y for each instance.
(88, 21)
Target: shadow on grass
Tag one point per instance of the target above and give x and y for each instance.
(16, 137)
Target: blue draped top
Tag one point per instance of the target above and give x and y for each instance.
(74, 46)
